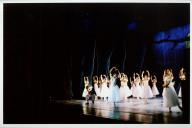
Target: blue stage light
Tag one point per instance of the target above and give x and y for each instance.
(177, 33)
(132, 26)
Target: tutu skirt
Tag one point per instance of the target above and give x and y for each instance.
(114, 95)
(124, 92)
(85, 93)
(155, 90)
(104, 91)
(97, 90)
(146, 92)
(137, 91)
(170, 97)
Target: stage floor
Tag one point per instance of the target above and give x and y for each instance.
(131, 110)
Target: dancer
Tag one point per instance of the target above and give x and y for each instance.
(137, 90)
(184, 81)
(91, 94)
(114, 89)
(96, 87)
(86, 83)
(155, 91)
(132, 87)
(170, 98)
(104, 88)
(146, 90)
(125, 92)
(88, 91)
(182, 77)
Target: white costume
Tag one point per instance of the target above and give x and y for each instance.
(104, 90)
(146, 90)
(155, 91)
(114, 95)
(169, 94)
(124, 91)
(97, 89)
(137, 90)
(85, 92)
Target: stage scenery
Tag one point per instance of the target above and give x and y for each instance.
(96, 63)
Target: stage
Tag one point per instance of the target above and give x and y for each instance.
(129, 111)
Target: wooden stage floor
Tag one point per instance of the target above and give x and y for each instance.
(129, 111)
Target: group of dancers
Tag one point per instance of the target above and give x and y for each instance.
(115, 87)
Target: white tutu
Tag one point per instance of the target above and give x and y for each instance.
(180, 95)
(97, 90)
(114, 94)
(104, 90)
(85, 92)
(137, 92)
(146, 91)
(155, 90)
(124, 92)
(169, 96)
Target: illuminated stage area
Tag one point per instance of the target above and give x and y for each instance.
(130, 111)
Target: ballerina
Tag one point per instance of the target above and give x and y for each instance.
(86, 83)
(125, 92)
(96, 87)
(114, 89)
(147, 92)
(155, 91)
(104, 88)
(138, 89)
(132, 87)
(170, 98)
(182, 77)
(88, 92)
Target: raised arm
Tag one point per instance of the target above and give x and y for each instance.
(148, 74)
(138, 74)
(133, 76)
(101, 77)
(155, 77)
(142, 75)
(105, 77)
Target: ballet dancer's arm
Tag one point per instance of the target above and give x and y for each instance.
(148, 75)
(155, 78)
(85, 79)
(138, 75)
(142, 75)
(133, 76)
